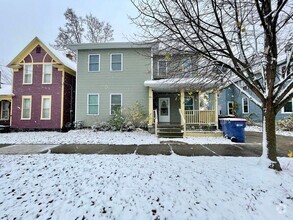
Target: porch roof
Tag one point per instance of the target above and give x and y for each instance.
(176, 84)
(6, 90)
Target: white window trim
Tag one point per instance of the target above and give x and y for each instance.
(111, 101)
(283, 112)
(2, 107)
(87, 103)
(88, 63)
(23, 79)
(247, 106)
(30, 114)
(50, 98)
(43, 75)
(158, 66)
(121, 62)
(228, 107)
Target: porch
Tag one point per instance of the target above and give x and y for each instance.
(174, 110)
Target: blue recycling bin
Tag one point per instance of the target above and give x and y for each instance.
(233, 128)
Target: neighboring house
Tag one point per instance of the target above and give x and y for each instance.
(233, 102)
(117, 75)
(43, 88)
(5, 97)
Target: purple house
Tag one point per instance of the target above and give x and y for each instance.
(43, 87)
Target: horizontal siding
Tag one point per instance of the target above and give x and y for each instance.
(129, 82)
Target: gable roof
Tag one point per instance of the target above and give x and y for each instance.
(56, 55)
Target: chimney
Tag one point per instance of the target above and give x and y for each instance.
(69, 56)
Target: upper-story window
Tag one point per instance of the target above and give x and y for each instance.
(245, 106)
(28, 74)
(94, 63)
(116, 60)
(47, 74)
(288, 108)
(162, 68)
(186, 66)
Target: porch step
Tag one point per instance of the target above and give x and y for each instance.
(170, 132)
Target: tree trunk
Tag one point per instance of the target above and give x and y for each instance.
(269, 137)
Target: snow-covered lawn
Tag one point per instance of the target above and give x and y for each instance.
(143, 187)
(86, 136)
(259, 129)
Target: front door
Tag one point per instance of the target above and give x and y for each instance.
(164, 110)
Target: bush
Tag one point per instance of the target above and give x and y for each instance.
(117, 120)
(250, 118)
(126, 120)
(285, 124)
(136, 116)
(103, 126)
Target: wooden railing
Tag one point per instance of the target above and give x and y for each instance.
(200, 117)
(183, 122)
(156, 121)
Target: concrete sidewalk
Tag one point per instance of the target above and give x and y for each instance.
(243, 150)
(251, 148)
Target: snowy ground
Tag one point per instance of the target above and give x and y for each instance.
(90, 137)
(259, 129)
(143, 187)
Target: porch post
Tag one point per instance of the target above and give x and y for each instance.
(151, 116)
(216, 107)
(182, 103)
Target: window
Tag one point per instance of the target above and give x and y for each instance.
(47, 73)
(245, 105)
(116, 62)
(162, 68)
(26, 107)
(5, 110)
(186, 66)
(189, 102)
(230, 108)
(94, 62)
(288, 108)
(116, 103)
(93, 104)
(46, 108)
(28, 74)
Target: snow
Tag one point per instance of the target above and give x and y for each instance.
(6, 89)
(86, 136)
(278, 132)
(75, 186)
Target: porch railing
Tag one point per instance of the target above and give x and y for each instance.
(200, 117)
(156, 121)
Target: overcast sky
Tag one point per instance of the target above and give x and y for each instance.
(22, 20)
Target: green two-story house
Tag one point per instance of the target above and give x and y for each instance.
(110, 76)
(117, 75)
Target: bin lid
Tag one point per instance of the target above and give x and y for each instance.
(233, 119)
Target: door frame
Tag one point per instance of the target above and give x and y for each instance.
(164, 119)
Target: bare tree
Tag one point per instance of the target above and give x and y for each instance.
(245, 38)
(98, 31)
(79, 30)
(72, 33)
